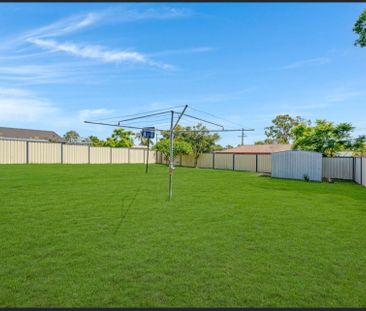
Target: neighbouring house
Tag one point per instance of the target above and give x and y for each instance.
(27, 134)
(257, 149)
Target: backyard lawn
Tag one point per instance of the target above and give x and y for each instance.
(106, 235)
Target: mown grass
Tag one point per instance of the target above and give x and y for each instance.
(106, 235)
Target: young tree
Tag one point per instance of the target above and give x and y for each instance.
(72, 137)
(180, 147)
(200, 139)
(280, 132)
(95, 141)
(326, 137)
(120, 138)
(360, 30)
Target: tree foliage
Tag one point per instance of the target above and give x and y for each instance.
(180, 147)
(120, 138)
(360, 29)
(326, 137)
(280, 132)
(72, 137)
(200, 139)
(95, 141)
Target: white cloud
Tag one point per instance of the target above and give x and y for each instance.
(18, 105)
(97, 52)
(92, 114)
(307, 62)
(67, 25)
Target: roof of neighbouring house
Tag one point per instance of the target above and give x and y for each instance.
(258, 149)
(16, 133)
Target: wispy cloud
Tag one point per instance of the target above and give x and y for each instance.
(184, 51)
(44, 37)
(97, 52)
(93, 114)
(18, 105)
(307, 62)
(342, 96)
(113, 14)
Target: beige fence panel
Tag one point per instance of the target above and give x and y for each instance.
(13, 152)
(245, 162)
(205, 160)
(152, 156)
(264, 164)
(75, 154)
(119, 155)
(364, 171)
(137, 155)
(159, 157)
(40, 152)
(339, 168)
(224, 161)
(187, 160)
(100, 155)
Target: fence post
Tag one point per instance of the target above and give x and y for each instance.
(361, 173)
(233, 161)
(110, 155)
(27, 152)
(256, 162)
(353, 169)
(213, 160)
(62, 153)
(89, 154)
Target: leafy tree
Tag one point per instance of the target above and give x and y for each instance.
(180, 147)
(280, 132)
(360, 29)
(326, 137)
(264, 142)
(72, 137)
(120, 138)
(200, 139)
(95, 141)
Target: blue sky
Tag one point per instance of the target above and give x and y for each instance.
(63, 63)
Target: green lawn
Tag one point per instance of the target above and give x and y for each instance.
(106, 235)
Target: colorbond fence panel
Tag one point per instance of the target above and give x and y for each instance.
(224, 161)
(137, 156)
(205, 160)
(75, 154)
(340, 168)
(152, 156)
(264, 164)
(119, 155)
(100, 155)
(296, 164)
(245, 162)
(13, 152)
(187, 160)
(358, 170)
(40, 152)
